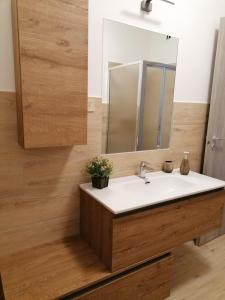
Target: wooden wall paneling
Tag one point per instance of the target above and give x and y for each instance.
(105, 121)
(39, 189)
(51, 45)
(189, 132)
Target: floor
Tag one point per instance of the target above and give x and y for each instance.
(199, 272)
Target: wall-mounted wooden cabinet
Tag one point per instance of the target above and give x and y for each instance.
(51, 53)
(123, 240)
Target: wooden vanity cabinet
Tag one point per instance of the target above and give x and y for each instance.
(51, 54)
(151, 281)
(124, 240)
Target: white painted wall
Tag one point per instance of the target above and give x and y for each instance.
(194, 22)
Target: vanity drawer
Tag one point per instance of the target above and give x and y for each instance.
(146, 234)
(121, 241)
(150, 281)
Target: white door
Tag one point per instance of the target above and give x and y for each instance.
(214, 163)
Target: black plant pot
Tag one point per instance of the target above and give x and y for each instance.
(100, 182)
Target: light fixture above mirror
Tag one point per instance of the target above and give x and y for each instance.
(146, 5)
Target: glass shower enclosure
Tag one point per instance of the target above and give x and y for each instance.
(140, 106)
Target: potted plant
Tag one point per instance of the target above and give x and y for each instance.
(100, 169)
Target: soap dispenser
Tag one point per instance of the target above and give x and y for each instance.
(185, 166)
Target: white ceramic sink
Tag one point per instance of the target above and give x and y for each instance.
(129, 193)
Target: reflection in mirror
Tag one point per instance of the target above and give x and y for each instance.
(139, 68)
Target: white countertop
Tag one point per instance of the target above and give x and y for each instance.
(125, 194)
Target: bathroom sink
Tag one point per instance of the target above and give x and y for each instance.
(129, 193)
(158, 185)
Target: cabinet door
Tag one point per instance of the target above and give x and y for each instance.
(147, 234)
(50, 41)
(149, 282)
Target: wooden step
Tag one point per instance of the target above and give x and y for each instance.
(71, 270)
(51, 271)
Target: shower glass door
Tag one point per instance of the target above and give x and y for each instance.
(123, 108)
(167, 111)
(156, 106)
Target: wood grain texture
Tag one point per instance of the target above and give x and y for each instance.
(148, 283)
(139, 236)
(96, 227)
(105, 123)
(52, 48)
(198, 273)
(213, 234)
(39, 189)
(163, 229)
(55, 270)
(51, 271)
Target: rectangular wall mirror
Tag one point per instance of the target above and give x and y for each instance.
(139, 68)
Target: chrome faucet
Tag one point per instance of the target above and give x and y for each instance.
(143, 169)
